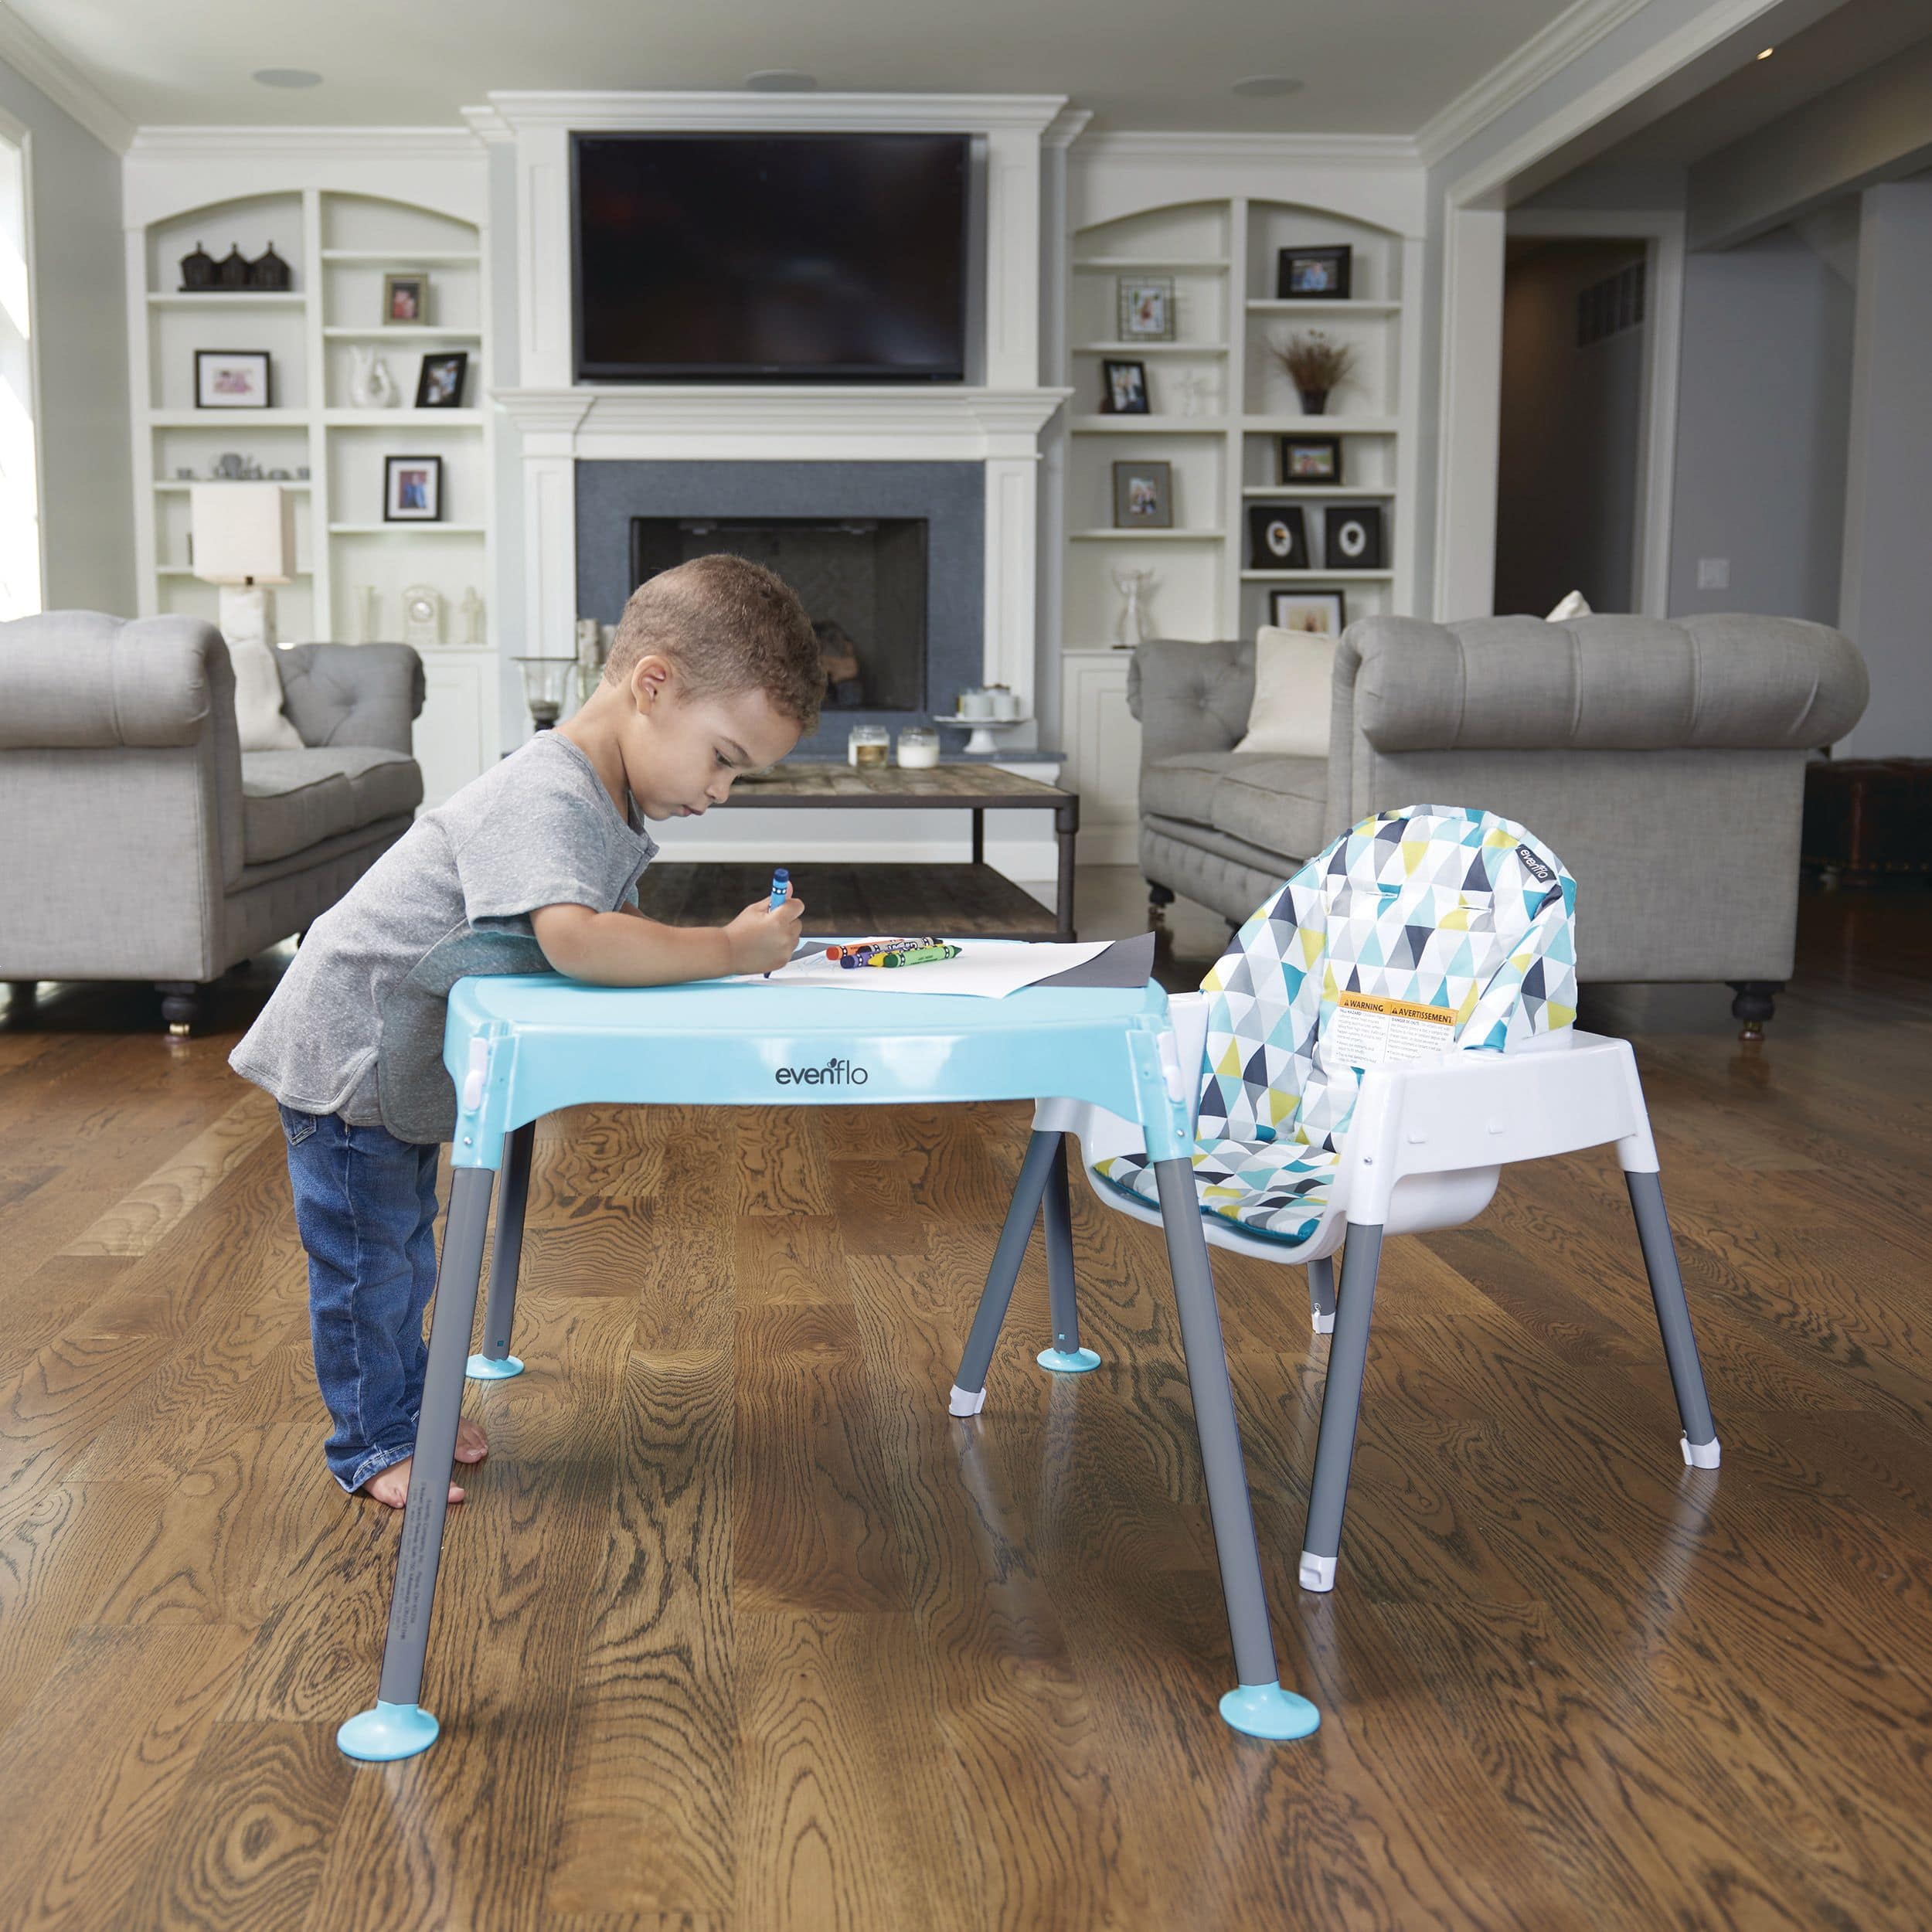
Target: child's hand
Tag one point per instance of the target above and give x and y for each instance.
(763, 937)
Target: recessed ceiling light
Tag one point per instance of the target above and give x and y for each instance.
(287, 77)
(1767, 54)
(780, 80)
(1266, 86)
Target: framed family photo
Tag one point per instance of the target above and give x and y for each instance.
(231, 378)
(1144, 496)
(440, 384)
(1147, 308)
(411, 489)
(406, 298)
(1315, 613)
(1313, 274)
(1310, 459)
(1124, 389)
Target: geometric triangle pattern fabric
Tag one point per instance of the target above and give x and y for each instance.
(1444, 906)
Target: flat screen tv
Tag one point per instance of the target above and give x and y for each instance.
(707, 257)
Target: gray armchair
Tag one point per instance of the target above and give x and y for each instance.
(1664, 762)
(143, 842)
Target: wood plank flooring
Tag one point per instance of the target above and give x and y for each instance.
(739, 1631)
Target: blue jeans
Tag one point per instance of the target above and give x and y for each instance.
(366, 1210)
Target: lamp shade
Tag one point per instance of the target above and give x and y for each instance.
(244, 532)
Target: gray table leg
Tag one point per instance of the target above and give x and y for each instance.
(979, 836)
(1066, 825)
(1699, 1439)
(398, 1726)
(1341, 1404)
(1065, 1357)
(968, 1395)
(1259, 1706)
(496, 1363)
(1322, 1295)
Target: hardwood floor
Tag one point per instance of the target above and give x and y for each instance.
(739, 1630)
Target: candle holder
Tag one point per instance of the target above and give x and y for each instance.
(544, 682)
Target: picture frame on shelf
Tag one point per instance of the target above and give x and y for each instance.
(411, 489)
(1124, 388)
(1314, 274)
(232, 378)
(1146, 308)
(1144, 495)
(406, 299)
(439, 382)
(1353, 537)
(1277, 537)
(1311, 460)
(1320, 614)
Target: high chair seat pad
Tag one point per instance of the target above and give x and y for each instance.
(1274, 1190)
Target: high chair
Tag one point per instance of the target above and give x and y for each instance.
(1297, 1146)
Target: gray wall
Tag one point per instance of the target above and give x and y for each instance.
(1887, 588)
(1765, 390)
(80, 318)
(1566, 477)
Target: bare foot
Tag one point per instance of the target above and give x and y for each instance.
(391, 1486)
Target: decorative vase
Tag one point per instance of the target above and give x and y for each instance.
(1132, 627)
(231, 271)
(269, 271)
(1314, 402)
(372, 386)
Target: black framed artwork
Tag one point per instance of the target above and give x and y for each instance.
(1319, 614)
(411, 489)
(438, 386)
(1124, 389)
(1314, 274)
(1144, 496)
(1353, 537)
(1310, 459)
(231, 378)
(1277, 537)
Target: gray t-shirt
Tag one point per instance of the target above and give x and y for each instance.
(356, 1027)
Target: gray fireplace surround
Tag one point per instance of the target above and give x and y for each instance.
(950, 497)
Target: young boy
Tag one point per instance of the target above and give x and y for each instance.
(714, 671)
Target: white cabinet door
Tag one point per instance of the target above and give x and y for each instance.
(1105, 745)
(452, 736)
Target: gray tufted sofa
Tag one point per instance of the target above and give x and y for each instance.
(143, 843)
(1664, 761)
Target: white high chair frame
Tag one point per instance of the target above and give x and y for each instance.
(1425, 1148)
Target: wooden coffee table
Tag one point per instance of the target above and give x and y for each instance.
(972, 899)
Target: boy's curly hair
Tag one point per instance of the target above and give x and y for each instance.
(728, 624)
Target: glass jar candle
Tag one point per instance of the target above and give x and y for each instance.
(918, 748)
(867, 746)
(544, 684)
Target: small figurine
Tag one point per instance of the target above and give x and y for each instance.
(472, 609)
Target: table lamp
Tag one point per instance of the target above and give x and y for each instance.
(244, 539)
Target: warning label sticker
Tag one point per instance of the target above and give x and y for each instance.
(1367, 1031)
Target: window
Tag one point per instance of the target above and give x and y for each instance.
(20, 588)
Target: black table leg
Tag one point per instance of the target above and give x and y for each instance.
(1066, 824)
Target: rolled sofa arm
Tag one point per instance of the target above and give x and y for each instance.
(81, 680)
(1189, 696)
(352, 694)
(1731, 682)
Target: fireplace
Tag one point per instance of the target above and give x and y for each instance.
(862, 579)
(889, 558)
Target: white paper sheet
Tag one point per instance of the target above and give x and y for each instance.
(985, 969)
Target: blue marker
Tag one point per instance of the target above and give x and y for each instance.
(780, 887)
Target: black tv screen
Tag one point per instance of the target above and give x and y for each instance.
(771, 257)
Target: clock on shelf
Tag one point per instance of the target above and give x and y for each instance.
(422, 615)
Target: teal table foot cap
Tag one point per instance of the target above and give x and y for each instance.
(1266, 1710)
(485, 1368)
(388, 1732)
(1068, 1361)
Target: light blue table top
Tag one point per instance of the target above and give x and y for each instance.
(519, 1047)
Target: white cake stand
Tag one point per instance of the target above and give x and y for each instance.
(981, 730)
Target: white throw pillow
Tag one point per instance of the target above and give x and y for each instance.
(1572, 605)
(258, 701)
(1293, 672)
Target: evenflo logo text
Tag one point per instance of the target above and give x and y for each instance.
(835, 1072)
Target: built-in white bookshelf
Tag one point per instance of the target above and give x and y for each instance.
(339, 247)
(1219, 405)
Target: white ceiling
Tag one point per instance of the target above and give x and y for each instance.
(1369, 66)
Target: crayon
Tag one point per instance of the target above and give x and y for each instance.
(914, 956)
(780, 887)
